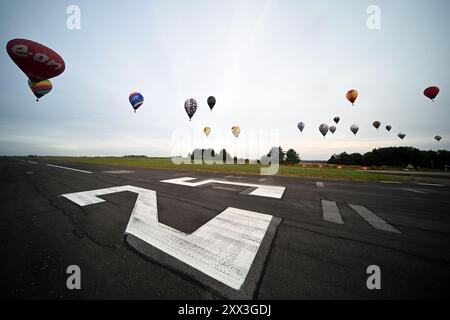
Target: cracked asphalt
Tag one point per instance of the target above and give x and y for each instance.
(42, 233)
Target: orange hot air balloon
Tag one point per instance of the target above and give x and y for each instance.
(352, 95)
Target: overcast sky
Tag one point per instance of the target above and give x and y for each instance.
(269, 63)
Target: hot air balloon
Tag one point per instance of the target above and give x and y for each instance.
(207, 130)
(236, 130)
(438, 138)
(40, 88)
(211, 102)
(352, 95)
(136, 99)
(388, 128)
(431, 92)
(333, 129)
(36, 60)
(323, 128)
(301, 126)
(354, 128)
(401, 135)
(376, 124)
(190, 105)
(336, 119)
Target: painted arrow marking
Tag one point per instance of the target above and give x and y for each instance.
(224, 248)
(261, 190)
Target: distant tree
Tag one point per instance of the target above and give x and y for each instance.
(292, 157)
(281, 155)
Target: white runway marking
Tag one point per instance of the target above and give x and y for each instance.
(432, 184)
(413, 190)
(118, 171)
(224, 248)
(320, 184)
(262, 179)
(392, 182)
(374, 220)
(330, 212)
(32, 162)
(261, 190)
(67, 168)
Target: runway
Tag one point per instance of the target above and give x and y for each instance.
(140, 233)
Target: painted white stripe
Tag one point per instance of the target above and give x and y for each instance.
(432, 184)
(67, 168)
(32, 162)
(320, 184)
(392, 182)
(330, 212)
(224, 248)
(372, 219)
(262, 179)
(118, 171)
(261, 190)
(413, 190)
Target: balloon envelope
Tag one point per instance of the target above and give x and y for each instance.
(438, 138)
(236, 130)
(333, 129)
(352, 95)
(388, 128)
(376, 124)
(401, 135)
(36, 60)
(136, 99)
(301, 126)
(336, 119)
(354, 128)
(431, 92)
(211, 102)
(207, 131)
(190, 105)
(40, 88)
(323, 128)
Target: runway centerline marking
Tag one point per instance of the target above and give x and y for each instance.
(432, 184)
(391, 182)
(330, 212)
(414, 190)
(118, 171)
(32, 162)
(261, 190)
(320, 184)
(372, 219)
(224, 248)
(67, 168)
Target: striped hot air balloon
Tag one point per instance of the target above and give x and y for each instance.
(136, 100)
(40, 88)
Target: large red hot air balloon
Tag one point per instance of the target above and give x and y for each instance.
(431, 92)
(36, 60)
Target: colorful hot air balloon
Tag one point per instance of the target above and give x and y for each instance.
(333, 129)
(401, 135)
(236, 130)
(301, 126)
(438, 138)
(376, 124)
(136, 100)
(190, 105)
(207, 131)
(431, 92)
(352, 95)
(336, 119)
(388, 128)
(36, 60)
(323, 128)
(354, 128)
(40, 88)
(211, 102)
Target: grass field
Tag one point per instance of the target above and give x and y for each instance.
(302, 170)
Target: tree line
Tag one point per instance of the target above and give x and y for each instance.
(396, 157)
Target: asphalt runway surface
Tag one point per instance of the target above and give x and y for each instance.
(139, 233)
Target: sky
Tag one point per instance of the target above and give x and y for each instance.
(269, 63)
